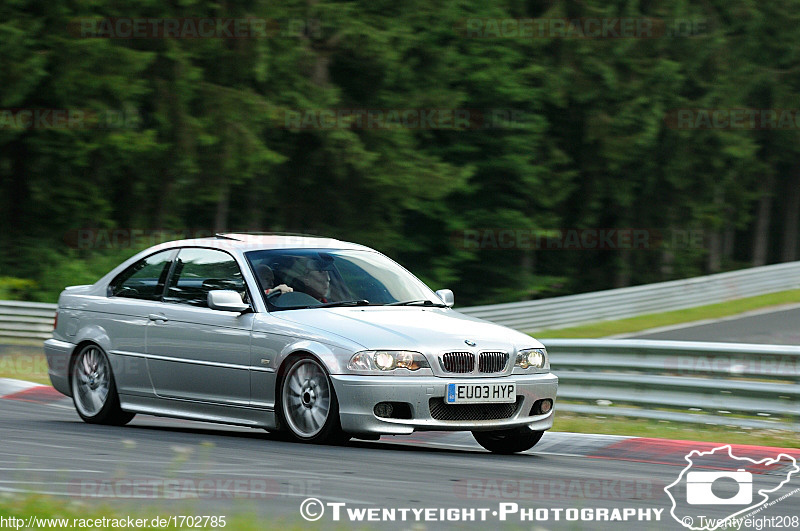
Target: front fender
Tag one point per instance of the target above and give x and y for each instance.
(334, 359)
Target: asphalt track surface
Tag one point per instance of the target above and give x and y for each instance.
(158, 466)
(45, 447)
(771, 327)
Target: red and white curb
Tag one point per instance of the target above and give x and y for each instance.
(674, 452)
(598, 446)
(28, 391)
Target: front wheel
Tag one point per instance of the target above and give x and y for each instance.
(308, 407)
(508, 441)
(94, 391)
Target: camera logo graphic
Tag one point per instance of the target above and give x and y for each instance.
(699, 488)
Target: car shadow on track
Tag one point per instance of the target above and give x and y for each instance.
(173, 430)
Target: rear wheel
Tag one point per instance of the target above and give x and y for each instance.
(309, 410)
(508, 441)
(94, 392)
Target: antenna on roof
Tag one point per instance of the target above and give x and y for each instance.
(232, 236)
(223, 236)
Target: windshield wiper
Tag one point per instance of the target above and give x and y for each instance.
(420, 302)
(359, 302)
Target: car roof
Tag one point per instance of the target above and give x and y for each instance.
(237, 243)
(252, 242)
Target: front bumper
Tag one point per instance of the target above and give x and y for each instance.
(358, 395)
(58, 354)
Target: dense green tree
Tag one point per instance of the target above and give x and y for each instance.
(190, 134)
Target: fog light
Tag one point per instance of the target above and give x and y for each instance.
(541, 407)
(384, 409)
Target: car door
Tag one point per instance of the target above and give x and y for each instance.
(193, 352)
(123, 316)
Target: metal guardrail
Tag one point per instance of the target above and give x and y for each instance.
(33, 320)
(573, 310)
(26, 320)
(728, 384)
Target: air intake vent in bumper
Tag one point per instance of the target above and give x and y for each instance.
(466, 412)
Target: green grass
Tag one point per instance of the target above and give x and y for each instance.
(21, 364)
(19, 341)
(655, 320)
(570, 422)
(25, 506)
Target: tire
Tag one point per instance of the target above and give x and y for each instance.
(308, 410)
(508, 441)
(94, 391)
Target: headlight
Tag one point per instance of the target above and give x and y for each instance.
(534, 357)
(387, 360)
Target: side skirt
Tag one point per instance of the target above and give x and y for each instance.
(199, 411)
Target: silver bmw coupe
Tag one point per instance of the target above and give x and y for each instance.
(320, 339)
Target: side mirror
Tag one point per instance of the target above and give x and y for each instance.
(447, 297)
(226, 300)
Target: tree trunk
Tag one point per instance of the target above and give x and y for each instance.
(223, 202)
(790, 227)
(255, 205)
(18, 190)
(622, 278)
(729, 242)
(163, 202)
(714, 242)
(714, 263)
(761, 237)
(526, 267)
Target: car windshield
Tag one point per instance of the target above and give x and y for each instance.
(312, 278)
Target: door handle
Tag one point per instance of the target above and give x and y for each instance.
(157, 317)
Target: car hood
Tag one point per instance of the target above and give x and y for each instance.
(409, 328)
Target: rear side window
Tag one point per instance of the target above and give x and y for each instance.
(198, 271)
(145, 279)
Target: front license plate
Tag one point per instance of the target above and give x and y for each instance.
(477, 393)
